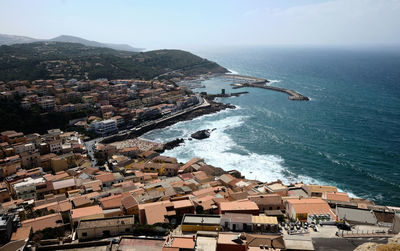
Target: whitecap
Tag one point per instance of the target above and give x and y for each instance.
(232, 72)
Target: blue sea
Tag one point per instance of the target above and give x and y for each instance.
(347, 136)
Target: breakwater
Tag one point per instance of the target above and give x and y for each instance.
(261, 83)
(292, 94)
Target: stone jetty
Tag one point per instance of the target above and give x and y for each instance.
(261, 83)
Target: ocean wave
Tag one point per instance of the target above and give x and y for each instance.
(272, 81)
(232, 71)
(221, 150)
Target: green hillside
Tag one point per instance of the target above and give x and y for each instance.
(51, 60)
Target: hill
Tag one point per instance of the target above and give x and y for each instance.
(72, 39)
(13, 39)
(51, 60)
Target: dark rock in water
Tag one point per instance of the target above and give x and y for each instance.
(202, 134)
(172, 144)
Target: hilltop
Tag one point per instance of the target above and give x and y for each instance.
(51, 60)
(13, 39)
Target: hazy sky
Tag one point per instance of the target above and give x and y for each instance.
(193, 24)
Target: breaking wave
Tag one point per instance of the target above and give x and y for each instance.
(221, 150)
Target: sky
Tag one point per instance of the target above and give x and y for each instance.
(217, 23)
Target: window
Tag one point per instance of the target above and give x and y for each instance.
(84, 234)
(127, 230)
(59, 221)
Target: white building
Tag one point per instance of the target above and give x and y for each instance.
(26, 189)
(104, 127)
(47, 104)
(55, 145)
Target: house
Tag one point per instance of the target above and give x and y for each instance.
(81, 201)
(206, 204)
(231, 241)
(40, 223)
(26, 188)
(267, 201)
(85, 213)
(57, 206)
(228, 180)
(249, 223)
(6, 227)
(108, 179)
(165, 159)
(308, 209)
(134, 243)
(269, 242)
(202, 177)
(63, 162)
(249, 242)
(239, 206)
(106, 227)
(277, 187)
(318, 191)
(104, 127)
(155, 212)
(336, 196)
(173, 243)
(200, 222)
(62, 186)
(129, 205)
(183, 206)
(4, 194)
(22, 233)
(192, 165)
(236, 222)
(113, 201)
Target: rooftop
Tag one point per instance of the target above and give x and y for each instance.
(113, 221)
(190, 219)
(86, 211)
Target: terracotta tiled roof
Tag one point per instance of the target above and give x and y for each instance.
(190, 162)
(22, 233)
(108, 177)
(113, 201)
(310, 206)
(336, 196)
(155, 214)
(81, 200)
(86, 211)
(63, 184)
(129, 202)
(239, 205)
(182, 203)
(40, 223)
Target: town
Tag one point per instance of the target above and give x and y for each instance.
(73, 189)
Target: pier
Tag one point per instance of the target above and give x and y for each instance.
(261, 83)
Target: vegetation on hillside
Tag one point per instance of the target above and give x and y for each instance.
(52, 60)
(34, 120)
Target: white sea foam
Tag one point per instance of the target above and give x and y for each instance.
(272, 81)
(221, 150)
(232, 72)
